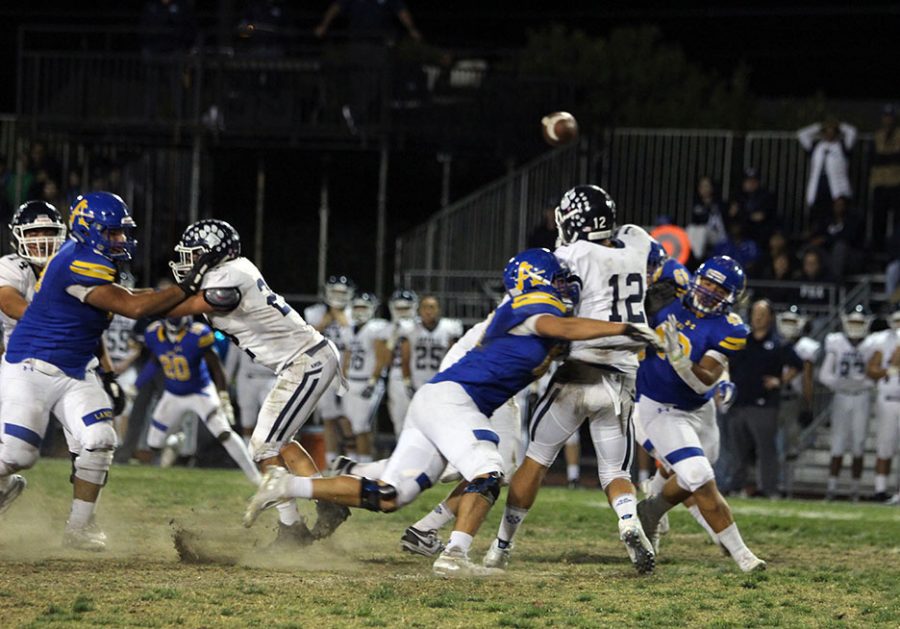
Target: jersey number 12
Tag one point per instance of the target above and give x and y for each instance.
(634, 302)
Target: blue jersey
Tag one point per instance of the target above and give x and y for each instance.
(725, 334)
(58, 327)
(182, 360)
(675, 272)
(504, 363)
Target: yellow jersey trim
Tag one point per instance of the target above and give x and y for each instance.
(530, 299)
(90, 269)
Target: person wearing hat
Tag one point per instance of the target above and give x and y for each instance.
(828, 144)
(756, 208)
(884, 178)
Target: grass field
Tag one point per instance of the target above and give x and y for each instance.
(829, 565)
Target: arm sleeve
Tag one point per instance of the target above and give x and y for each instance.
(806, 136)
(826, 373)
(849, 133)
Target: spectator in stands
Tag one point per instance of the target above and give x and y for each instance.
(73, 185)
(39, 160)
(264, 28)
(752, 423)
(780, 270)
(167, 27)
(778, 244)
(51, 194)
(816, 282)
(756, 208)
(707, 228)
(841, 235)
(370, 20)
(884, 178)
(19, 182)
(544, 235)
(39, 178)
(829, 144)
(739, 247)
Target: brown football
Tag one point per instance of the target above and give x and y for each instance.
(559, 128)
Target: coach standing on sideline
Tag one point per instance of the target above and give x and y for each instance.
(752, 423)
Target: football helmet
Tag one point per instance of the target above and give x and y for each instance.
(585, 213)
(536, 270)
(723, 271)
(174, 326)
(791, 323)
(91, 217)
(363, 307)
(403, 304)
(856, 322)
(30, 217)
(655, 259)
(201, 237)
(894, 320)
(339, 290)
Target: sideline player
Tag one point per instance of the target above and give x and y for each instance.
(330, 318)
(45, 365)
(424, 346)
(700, 332)
(185, 352)
(596, 382)
(844, 372)
(448, 417)
(883, 367)
(402, 305)
(236, 300)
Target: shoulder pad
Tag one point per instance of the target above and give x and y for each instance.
(222, 298)
(199, 328)
(734, 319)
(153, 327)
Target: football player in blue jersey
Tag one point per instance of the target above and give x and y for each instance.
(185, 352)
(448, 421)
(699, 333)
(48, 363)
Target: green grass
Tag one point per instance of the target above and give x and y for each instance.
(829, 565)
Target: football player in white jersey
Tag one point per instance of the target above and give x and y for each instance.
(844, 372)
(365, 358)
(236, 300)
(423, 348)
(330, 318)
(883, 367)
(402, 306)
(597, 381)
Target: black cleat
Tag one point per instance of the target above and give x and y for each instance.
(296, 535)
(330, 516)
(425, 543)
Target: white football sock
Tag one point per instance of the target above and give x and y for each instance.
(435, 519)
(372, 469)
(299, 487)
(643, 475)
(81, 513)
(731, 539)
(880, 483)
(512, 519)
(364, 458)
(461, 540)
(625, 507)
(573, 471)
(657, 483)
(239, 453)
(288, 513)
(695, 511)
(329, 457)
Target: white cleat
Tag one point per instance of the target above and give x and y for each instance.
(640, 551)
(87, 538)
(169, 455)
(271, 491)
(425, 543)
(497, 557)
(455, 562)
(15, 484)
(339, 466)
(748, 562)
(893, 501)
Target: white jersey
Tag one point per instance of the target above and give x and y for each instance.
(807, 350)
(612, 289)
(119, 337)
(334, 332)
(18, 273)
(885, 342)
(248, 368)
(360, 342)
(466, 342)
(844, 368)
(262, 324)
(392, 334)
(427, 348)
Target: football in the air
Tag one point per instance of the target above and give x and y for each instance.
(559, 128)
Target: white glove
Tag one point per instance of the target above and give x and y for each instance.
(643, 333)
(227, 408)
(672, 343)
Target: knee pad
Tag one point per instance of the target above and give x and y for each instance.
(93, 466)
(693, 473)
(609, 475)
(18, 455)
(488, 487)
(371, 493)
(218, 425)
(99, 436)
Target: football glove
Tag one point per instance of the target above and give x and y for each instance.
(671, 342)
(191, 282)
(659, 294)
(643, 333)
(227, 407)
(114, 391)
(410, 389)
(725, 394)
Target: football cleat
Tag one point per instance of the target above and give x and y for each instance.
(425, 543)
(292, 536)
(455, 562)
(748, 562)
(329, 517)
(893, 501)
(169, 455)
(271, 491)
(650, 529)
(15, 484)
(86, 538)
(340, 466)
(497, 557)
(638, 546)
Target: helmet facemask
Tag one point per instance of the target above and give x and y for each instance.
(790, 325)
(402, 309)
(338, 295)
(856, 325)
(187, 255)
(709, 299)
(174, 326)
(362, 311)
(38, 249)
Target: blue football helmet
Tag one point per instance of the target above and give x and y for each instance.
(655, 259)
(91, 217)
(201, 237)
(585, 213)
(536, 270)
(403, 304)
(723, 271)
(174, 326)
(339, 290)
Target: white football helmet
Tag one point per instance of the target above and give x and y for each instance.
(856, 323)
(403, 304)
(895, 320)
(363, 308)
(339, 290)
(791, 323)
(37, 216)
